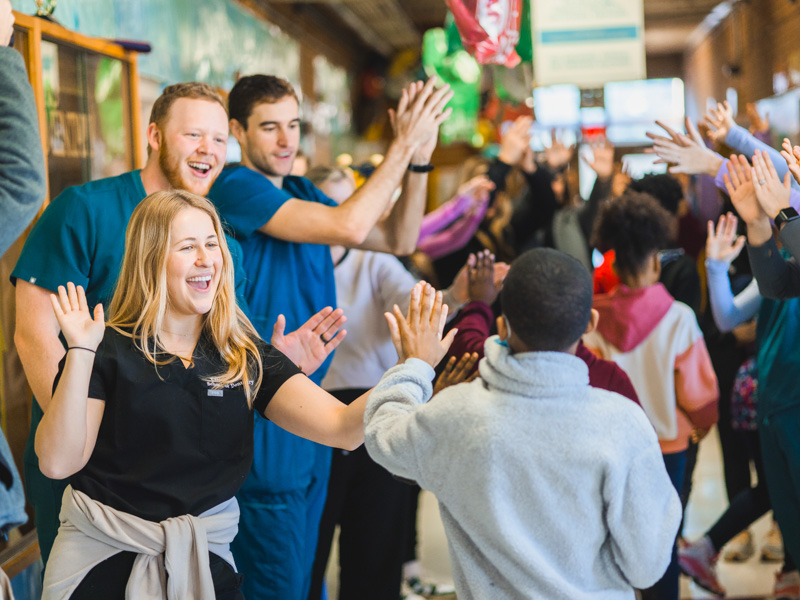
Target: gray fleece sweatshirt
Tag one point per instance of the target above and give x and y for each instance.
(22, 182)
(548, 488)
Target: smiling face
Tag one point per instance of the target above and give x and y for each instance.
(270, 142)
(194, 263)
(191, 144)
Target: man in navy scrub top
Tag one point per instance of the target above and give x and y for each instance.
(285, 225)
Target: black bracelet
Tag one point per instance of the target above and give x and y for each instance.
(420, 168)
(81, 348)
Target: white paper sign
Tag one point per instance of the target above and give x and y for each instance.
(587, 42)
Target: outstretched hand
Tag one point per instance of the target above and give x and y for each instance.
(310, 345)
(457, 372)
(481, 278)
(723, 244)
(75, 320)
(719, 121)
(773, 195)
(515, 141)
(741, 191)
(792, 156)
(419, 334)
(602, 161)
(557, 154)
(687, 153)
(758, 124)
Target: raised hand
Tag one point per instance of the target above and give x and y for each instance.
(602, 161)
(675, 137)
(419, 334)
(792, 155)
(719, 121)
(723, 244)
(310, 345)
(419, 113)
(79, 328)
(757, 123)
(687, 153)
(480, 278)
(457, 372)
(478, 188)
(773, 195)
(741, 191)
(557, 154)
(515, 141)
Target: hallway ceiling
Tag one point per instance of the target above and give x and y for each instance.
(386, 26)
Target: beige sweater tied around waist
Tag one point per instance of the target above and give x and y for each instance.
(92, 532)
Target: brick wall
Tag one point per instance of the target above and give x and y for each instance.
(759, 38)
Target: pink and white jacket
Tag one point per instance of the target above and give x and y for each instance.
(657, 342)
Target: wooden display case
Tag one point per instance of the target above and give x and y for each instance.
(86, 92)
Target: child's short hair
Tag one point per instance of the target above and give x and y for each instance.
(635, 226)
(547, 299)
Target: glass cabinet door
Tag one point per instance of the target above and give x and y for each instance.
(88, 116)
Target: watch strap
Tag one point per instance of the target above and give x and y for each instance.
(420, 168)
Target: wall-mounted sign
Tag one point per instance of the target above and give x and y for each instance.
(587, 42)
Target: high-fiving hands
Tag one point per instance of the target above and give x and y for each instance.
(772, 193)
(419, 113)
(310, 345)
(80, 329)
(419, 334)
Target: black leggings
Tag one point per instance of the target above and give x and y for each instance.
(747, 505)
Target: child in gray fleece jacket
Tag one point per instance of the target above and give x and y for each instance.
(548, 488)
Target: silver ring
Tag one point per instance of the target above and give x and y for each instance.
(762, 181)
(324, 341)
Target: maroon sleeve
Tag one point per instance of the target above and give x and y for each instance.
(606, 374)
(473, 323)
(620, 382)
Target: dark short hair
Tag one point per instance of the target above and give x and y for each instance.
(635, 226)
(191, 89)
(547, 299)
(664, 188)
(253, 90)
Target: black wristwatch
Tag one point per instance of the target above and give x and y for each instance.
(420, 168)
(786, 215)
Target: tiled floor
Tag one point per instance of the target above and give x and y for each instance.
(749, 580)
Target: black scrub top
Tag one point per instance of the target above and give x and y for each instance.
(169, 444)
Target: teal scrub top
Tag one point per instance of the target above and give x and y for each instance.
(80, 237)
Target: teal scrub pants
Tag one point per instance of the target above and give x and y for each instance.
(281, 505)
(780, 449)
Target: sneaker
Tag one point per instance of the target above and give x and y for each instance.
(697, 560)
(787, 586)
(740, 548)
(406, 593)
(426, 588)
(772, 550)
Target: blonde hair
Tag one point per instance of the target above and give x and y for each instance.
(140, 299)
